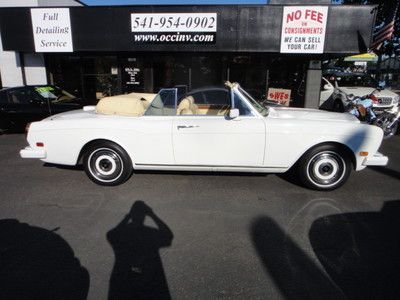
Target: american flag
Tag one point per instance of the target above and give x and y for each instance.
(385, 33)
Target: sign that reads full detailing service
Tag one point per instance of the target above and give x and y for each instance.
(303, 29)
(51, 29)
(174, 28)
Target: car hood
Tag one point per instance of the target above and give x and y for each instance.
(362, 91)
(310, 114)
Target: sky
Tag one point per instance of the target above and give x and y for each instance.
(170, 2)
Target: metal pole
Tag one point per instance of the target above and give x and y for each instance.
(22, 64)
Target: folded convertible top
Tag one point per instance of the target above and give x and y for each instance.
(133, 104)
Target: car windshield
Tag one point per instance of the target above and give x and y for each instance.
(356, 80)
(261, 109)
(54, 94)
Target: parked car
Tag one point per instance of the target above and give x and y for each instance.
(336, 86)
(164, 132)
(25, 104)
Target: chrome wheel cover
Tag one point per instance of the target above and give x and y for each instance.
(105, 165)
(326, 168)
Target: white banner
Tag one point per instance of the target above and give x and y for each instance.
(303, 29)
(51, 29)
(174, 22)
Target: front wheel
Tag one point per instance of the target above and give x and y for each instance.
(324, 168)
(107, 163)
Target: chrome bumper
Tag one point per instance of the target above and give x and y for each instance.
(28, 152)
(378, 159)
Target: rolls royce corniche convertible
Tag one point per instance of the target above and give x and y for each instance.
(211, 129)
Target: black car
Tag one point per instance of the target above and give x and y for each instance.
(21, 105)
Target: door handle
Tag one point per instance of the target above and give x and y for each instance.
(186, 126)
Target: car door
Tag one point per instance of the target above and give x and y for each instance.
(24, 106)
(4, 119)
(209, 138)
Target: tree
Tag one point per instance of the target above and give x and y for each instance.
(386, 9)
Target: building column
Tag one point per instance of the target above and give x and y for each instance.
(10, 68)
(35, 69)
(313, 85)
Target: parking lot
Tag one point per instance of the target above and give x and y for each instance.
(204, 235)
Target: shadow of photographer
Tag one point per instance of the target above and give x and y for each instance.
(138, 272)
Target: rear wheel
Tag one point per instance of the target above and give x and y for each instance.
(107, 163)
(325, 167)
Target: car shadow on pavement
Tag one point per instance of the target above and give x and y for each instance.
(78, 167)
(202, 173)
(138, 272)
(386, 171)
(359, 255)
(36, 263)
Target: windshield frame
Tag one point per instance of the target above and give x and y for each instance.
(260, 109)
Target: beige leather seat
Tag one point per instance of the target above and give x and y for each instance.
(133, 104)
(187, 107)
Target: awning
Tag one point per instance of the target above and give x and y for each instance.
(362, 57)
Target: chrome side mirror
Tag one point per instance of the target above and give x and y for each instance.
(233, 113)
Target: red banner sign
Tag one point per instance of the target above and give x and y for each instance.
(282, 96)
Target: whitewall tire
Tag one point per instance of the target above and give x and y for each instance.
(106, 163)
(326, 167)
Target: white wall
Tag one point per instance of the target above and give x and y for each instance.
(15, 3)
(10, 69)
(35, 70)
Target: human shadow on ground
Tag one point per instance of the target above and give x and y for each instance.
(361, 251)
(292, 270)
(350, 256)
(138, 272)
(36, 263)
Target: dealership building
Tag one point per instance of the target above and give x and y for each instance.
(273, 49)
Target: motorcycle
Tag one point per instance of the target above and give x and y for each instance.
(389, 122)
(361, 107)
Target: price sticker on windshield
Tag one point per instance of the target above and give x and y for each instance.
(174, 22)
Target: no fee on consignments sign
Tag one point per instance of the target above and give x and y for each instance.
(303, 29)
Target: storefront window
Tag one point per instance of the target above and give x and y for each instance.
(96, 76)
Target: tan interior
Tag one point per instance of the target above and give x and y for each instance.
(213, 110)
(188, 107)
(133, 104)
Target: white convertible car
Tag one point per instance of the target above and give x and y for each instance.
(214, 129)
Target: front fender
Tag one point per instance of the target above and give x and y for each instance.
(285, 147)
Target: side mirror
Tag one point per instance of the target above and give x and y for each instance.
(233, 113)
(327, 87)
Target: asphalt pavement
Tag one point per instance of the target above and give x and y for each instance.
(196, 235)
